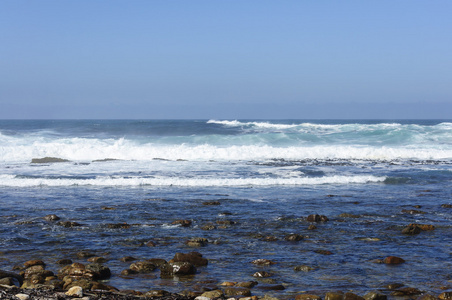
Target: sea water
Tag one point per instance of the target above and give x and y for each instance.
(266, 175)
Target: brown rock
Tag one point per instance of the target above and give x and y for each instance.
(183, 223)
(97, 259)
(51, 218)
(424, 227)
(127, 258)
(177, 269)
(413, 212)
(307, 297)
(34, 262)
(69, 224)
(411, 230)
(143, 267)
(263, 262)
(393, 260)
(211, 203)
(247, 284)
(262, 274)
(351, 296)
(334, 296)
(323, 252)
(445, 296)
(234, 292)
(293, 237)
(194, 258)
(375, 296)
(64, 262)
(312, 227)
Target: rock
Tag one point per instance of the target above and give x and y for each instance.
(156, 293)
(75, 291)
(97, 259)
(100, 272)
(226, 222)
(84, 254)
(408, 291)
(375, 296)
(424, 227)
(427, 297)
(307, 297)
(393, 260)
(177, 269)
(7, 281)
(446, 205)
(262, 274)
(263, 262)
(197, 242)
(228, 283)
(127, 258)
(22, 296)
(445, 296)
(151, 244)
(208, 227)
(317, 218)
(293, 237)
(312, 227)
(411, 230)
(234, 292)
(277, 287)
(194, 258)
(270, 238)
(157, 261)
(334, 296)
(351, 296)
(143, 267)
(35, 262)
(128, 272)
(64, 262)
(51, 218)
(182, 223)
(346, 215)
(118, 226)
(69, 224)
(46, 160)
(413, 211)
(213, 294)
(303, 268)
(394, 286)
(211, 203)
(247, 284)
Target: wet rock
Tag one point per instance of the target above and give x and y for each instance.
(303, 268)
(156, 293)
(22, 296)
(270, 238)
(64, 261)
(445, 296)
(84, 254)
(346, 215)
(293, 237)
(413, 211)
(7, 281)
(75, 291)
(262, 274)
(197, 242)
(100, 272)
(118, 226)
(424, 227)
(408, 291)
(35, 262)
(226, 222)
(194, 258)
(14, 276)
(211, 203)
(393, 260)
(235, 292)
(51, 218)
(177, 269)
(312, 227)
(394, 286)
(128, 272)
(323, 252)
(427, 297)
(317, 218)
(307, 297)
(46, 160)
(182, 223)
(157, 261)
(446, 205)
(375, 296)
(334, 296)
(228, 283)
(208, 227)
(411, 230)
(277, 287)
(143, 267)
(69, 224)
(151, 244)
(352, 296)
(247, 284)
(97, 259)
(263, 262)
(213, 294)
(127, 258)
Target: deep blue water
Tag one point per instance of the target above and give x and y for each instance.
(268, 177)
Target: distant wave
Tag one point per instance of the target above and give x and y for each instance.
(14, 181)
(255, 124)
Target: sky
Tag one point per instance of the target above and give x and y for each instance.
(229, 59)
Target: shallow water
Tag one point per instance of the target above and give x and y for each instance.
(374, 171)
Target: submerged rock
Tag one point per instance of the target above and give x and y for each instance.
(194, 258)
(411, 230)
(263, 262)
(51, 218)
(317, 218)
(177, 269)
(143, 267)
(393, 260)
(46, 160)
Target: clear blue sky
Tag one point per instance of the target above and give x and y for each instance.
(225, 59)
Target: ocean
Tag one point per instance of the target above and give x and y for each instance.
(244, 185)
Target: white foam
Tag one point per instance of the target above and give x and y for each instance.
(13, 181)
